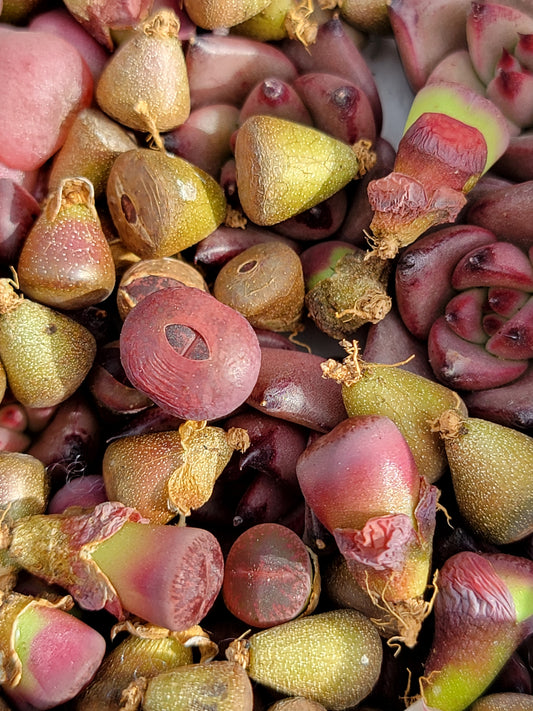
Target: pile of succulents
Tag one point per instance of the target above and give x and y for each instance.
(266, 378)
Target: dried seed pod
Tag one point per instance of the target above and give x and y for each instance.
(144, 85)
(265, 284)
(163, 474)
(66, 261)
(219, 685)
(45, 353)
(333, 658)
(148, 275)
(190, 204)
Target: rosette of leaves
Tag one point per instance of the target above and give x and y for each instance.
(469, 295)
(485, 45)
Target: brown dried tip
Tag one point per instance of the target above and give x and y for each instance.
(235, 218)
(403, 619)
(133, 695)
(350, 370)
(9, 299)
(366, 156)
(239, 652)
(372, 307)
(162, 24)
(450, 424)
(299, 25)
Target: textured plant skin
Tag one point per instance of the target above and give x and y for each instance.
(48, 655)
(146, 651)
(429, 189)
(483, 611)
(274, 158)
(413, 402)
(379, 509)
(66, 261)
(333, 658)
(58, 351)
(219, 685)
(491, 469)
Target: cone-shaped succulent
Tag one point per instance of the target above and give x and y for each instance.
(45, 353)
(163, 474)
(284, 167)
(361, 481)
(109, 557)
(483, 611)
(144, 84)
(24, 490)
(66, 261)
(492, 473)
(160, 203)
(219, 685)
(145, 652)
(451, 137)
(333, 658)
(411, 401)
(48, 655)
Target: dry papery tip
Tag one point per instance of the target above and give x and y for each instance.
(299, 25)
(155, 140)
(235, 218)
(194, 636)
(132, 696)
(163, 24)
(406, 615)
(386, 246)
(352, 368)
(9, 298)
(373, 307)
(239, 651)
(365, 155)
(238, 438)
(451, 423)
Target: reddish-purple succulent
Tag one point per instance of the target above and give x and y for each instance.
(470, 295)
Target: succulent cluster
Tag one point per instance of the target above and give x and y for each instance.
(193, 194)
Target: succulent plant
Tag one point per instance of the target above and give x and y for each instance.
(488, 46)
(475, 313)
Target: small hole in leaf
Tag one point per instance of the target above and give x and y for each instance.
(130, 213)
(247, 266)
(187, 342)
